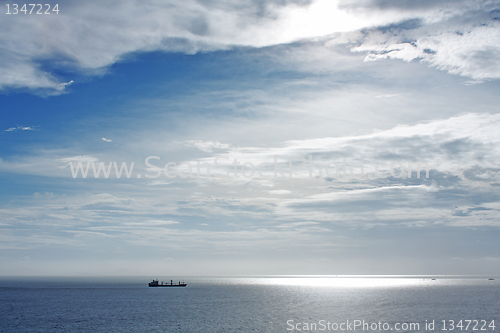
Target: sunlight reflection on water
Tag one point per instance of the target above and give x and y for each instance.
(353, 281)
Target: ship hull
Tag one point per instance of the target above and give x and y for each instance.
(168, 285)
(156, 283)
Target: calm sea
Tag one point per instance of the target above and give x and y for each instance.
(253, 304)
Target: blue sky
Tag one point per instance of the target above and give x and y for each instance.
(369, 82)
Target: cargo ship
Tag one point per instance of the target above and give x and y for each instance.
(155, 283)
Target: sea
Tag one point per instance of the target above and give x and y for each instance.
(251, 304)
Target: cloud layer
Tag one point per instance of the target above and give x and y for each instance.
(320, 216)
(460, 37)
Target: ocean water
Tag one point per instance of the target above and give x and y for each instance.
(252, 304)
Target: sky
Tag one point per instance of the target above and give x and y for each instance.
(312, 116)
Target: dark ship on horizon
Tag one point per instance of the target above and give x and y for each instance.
(155, 283)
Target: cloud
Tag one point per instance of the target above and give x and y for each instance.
(399, 4)
(206, 146)
(76, 159)
(314, 216)
(454, 149)
(387, 96)
(458, 193)
(279, 192)
(467, 44)
(62, 86)
(20, 128)
(107, 140)
(79, 38)
(493, 259)
(458, 37)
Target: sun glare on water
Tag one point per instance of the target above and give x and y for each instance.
(343, 281)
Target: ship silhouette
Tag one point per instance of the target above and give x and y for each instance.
(155, 283)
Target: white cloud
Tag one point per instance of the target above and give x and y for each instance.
(89, 36)
(279, 192)
(76, 159)
(62, 86)
(206, 146)
(468, 45)
(20, 128)
(387, 96)
(92, 35)
(107, 140)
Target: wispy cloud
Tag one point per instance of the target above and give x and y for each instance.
(62, 86)
(387, 96)
(206, 146)
(20, 128)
